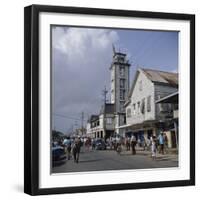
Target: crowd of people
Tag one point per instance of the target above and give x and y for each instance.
(72, 146)
(155, 144)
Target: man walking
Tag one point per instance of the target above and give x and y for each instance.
(161, 142)
(133, 144)
(76, 149)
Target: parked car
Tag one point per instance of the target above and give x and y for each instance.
(100, 144)
(58, 155)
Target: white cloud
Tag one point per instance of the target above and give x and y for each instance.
(81, 41)
(81, 61)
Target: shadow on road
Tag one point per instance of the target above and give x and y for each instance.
(130, 154)
(162, 159)
(94, 160)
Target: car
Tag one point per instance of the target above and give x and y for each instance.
(58, 155)
(100, 144)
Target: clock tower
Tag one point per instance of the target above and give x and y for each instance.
(119, 85)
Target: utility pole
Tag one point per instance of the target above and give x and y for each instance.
(75, 125)
(104, 93)
(82, 119)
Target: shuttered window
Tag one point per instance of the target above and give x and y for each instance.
(149, 104)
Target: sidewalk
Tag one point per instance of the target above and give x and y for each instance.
(171, 155)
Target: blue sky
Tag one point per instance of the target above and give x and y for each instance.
(81, 58)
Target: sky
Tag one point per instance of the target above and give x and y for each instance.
(81, 58)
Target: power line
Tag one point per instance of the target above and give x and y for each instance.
(64, 116)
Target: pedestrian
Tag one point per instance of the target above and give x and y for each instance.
(119, 148)
(133, 144)
(139, 142)
(87, 144)
(127, 141)
(93, 143)
(76, 149)
(161, 143)
(144, 144)
(67, 147)
(148, 144)
(153, 147)
(166, 143)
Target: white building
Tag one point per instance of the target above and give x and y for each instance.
(102, 125)
(143, 116)
(172, 131)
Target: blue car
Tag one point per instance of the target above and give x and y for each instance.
(58, 155)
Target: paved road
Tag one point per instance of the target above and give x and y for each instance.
(95, 160)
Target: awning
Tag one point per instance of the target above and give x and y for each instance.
(172, 98)
(145, 124)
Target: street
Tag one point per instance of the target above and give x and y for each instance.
(97, 160)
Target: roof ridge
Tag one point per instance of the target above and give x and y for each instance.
(150, 69)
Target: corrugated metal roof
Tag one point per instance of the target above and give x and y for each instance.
(162, 76)
(156, 76)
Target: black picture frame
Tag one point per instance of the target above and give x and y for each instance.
(31, 98)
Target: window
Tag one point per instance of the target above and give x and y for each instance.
(101, 134)
(121, 71)
(149, 104)
(125, 119)
(164, 107)
(122, 95)
(122, 83)
(120, 59)
(140, 85)
(175, 107)
(109, 120)
(143, 106)
(128, 112)
(93, 124)
(138, 104)
(122, 109)
(134, 108)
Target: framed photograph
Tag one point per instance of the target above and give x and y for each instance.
(109, 100)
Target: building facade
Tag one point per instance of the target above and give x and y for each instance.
(102, 125)
(143, 116)
(171, 123)
(119, 71)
